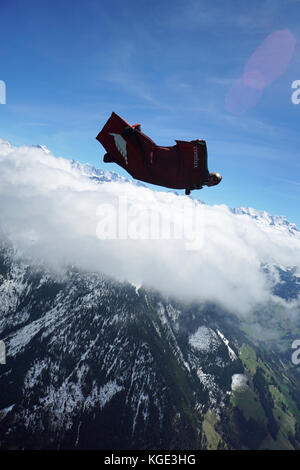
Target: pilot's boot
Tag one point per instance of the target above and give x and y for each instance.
(108, 158)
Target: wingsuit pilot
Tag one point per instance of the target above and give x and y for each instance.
(181, 166)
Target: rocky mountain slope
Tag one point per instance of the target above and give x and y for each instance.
(94, 363)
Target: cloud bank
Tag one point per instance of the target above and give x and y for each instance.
(57, 215)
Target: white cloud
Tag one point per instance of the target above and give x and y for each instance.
(52, 212)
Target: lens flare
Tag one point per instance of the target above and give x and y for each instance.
(268, 62)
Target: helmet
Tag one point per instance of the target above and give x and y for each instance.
(216, 176)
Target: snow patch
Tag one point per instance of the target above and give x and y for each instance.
(204, 339)
(239, 382)
(5, 411)
(232, 354)
(102, 395)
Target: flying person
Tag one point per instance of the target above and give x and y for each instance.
(181, 166)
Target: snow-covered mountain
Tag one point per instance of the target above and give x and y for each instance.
(141, 343)
(97, 174)
(262, 217)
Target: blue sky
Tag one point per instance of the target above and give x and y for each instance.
(169, 65)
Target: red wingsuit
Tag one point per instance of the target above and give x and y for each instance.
(181, 166)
